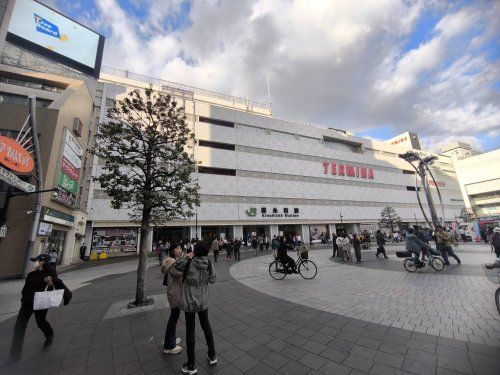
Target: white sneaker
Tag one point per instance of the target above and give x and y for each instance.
(212, 361)
(175, 350)
(178, 341)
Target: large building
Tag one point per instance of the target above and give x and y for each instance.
(260, 174)
(57, 61)
(479, 180)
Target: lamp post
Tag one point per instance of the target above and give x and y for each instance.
(341, 225)
(421, 166)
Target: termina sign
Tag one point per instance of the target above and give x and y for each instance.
(347, 170)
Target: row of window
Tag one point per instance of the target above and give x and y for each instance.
(412, 188)
(408, 172)
(7, 98)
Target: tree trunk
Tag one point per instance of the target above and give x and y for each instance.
(140, 291)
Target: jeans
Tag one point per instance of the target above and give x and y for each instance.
(237, 253)
(169, 342)
(445, 251)
(190, 337)
(23, 317)
(216, 255)
(357, 252)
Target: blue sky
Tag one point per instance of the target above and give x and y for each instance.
(379, 69)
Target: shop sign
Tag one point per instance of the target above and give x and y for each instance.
(347, 170)
(67, 183)
(14, 156)
(114, 240)
(73, 144)
(400, 140)
(3, 231)
(45, 229)
(71, 156)
(15, 181)
(69, 171)
(65, 197)
(269, 213)
(437, 183)
(57, 217)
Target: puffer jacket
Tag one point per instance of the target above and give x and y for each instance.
(414, 244)
(194, 291)
(443, 239)
(174, 282)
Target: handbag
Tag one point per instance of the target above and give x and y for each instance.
(165, 279)
(48, 299)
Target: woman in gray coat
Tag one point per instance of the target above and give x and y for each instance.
(198, 272)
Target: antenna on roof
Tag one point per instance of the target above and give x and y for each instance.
(269, 101)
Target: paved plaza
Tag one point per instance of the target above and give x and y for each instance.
(372, 318)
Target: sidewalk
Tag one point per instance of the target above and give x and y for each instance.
(255, 333)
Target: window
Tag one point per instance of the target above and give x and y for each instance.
(7, 98)
(408, 172)
(216, 122)
(223, 146)
(219, 171)
(411, 188)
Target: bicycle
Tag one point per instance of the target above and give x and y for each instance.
(411, 266)
(493, 273)
(306, 268)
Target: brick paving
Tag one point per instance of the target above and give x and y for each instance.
(255, 333)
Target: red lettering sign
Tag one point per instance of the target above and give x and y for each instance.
(325, 166)
(349, 170)
(371, 176)
(342, 169)
(334, 168)
(68, 168)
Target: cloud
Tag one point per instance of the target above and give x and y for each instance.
(339, 63)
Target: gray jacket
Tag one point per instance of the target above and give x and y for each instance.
(194, 291)
(414, 244)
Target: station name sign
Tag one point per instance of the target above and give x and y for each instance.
(273, 213)
(347, 170)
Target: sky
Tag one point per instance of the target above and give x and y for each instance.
(377, 68)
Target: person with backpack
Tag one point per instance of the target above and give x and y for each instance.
(173, 283)
(197, 273)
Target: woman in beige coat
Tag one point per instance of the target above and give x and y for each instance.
(174, 278)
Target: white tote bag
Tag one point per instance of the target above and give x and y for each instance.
(47, 299)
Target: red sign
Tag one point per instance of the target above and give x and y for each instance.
(348, 170)
(438, 183)
(398, 141)
(70, 170)
(14, 156)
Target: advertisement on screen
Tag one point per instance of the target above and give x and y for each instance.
(39, 25)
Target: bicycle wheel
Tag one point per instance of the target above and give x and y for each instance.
(410, 265)
(277, 270)
(437, 263)
(497, 299)
(308, 269)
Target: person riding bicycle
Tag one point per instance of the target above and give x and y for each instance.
(284, 257)
(415, 246)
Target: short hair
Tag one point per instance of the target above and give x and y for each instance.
(201, 249)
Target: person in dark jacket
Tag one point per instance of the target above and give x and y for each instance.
(237, 246)
(42, 277)
(356, 243)
(495, 243)
(380, 243)
(335, 246)
(415, 245)
(284, 257)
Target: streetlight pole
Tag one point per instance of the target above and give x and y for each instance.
(341, 225)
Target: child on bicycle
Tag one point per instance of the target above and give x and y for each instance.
(415, 246)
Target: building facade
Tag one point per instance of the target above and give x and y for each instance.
(264, 175)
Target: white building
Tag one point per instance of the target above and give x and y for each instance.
(262, 174)
(479, 179)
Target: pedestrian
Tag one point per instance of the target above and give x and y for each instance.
(462, 234)
(261, 242)
(299, 239)
(483, 234)
(236, 247)
(266, 242)
(254, 243)
(495, 243)
(342, 243)
(42, 277)
(53, 259)
(198, 272)
(335, 246)
(285, 259)
(415, 245)
(356, 243)
(229, 250)
(444, 245)
(171, 343)
(83, 250)
(215, 248)
(380, 243)
(274, 245)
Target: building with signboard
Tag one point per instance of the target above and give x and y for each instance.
(56, 60)
(260, 174)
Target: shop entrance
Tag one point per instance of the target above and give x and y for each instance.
(255, 230)
(170, 234)
(340, 228)
(55, 242)
(225, 231)
(319, 232)
(290, 230)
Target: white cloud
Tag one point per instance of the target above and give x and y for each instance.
(334, 62)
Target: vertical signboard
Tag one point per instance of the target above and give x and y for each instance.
(68, 179)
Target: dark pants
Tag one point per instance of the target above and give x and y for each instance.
(445, 251)
(335, 250)
(169, 342)
(288, 261)
(237, 253)
(267, 246)
(23, 317)
(464, 237)
(261, 247)
(216, 255)
(357, 252)
(190, 330)
(381, 250)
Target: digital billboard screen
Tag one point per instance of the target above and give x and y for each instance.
(37, 27)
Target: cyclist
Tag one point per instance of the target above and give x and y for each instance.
(415, 246)
(284, 257)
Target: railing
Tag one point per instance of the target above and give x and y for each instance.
(185, 88)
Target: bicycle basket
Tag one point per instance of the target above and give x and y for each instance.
(403, 254)
(304, 255)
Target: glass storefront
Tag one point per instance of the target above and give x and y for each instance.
(114, 240)
(55, 241)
